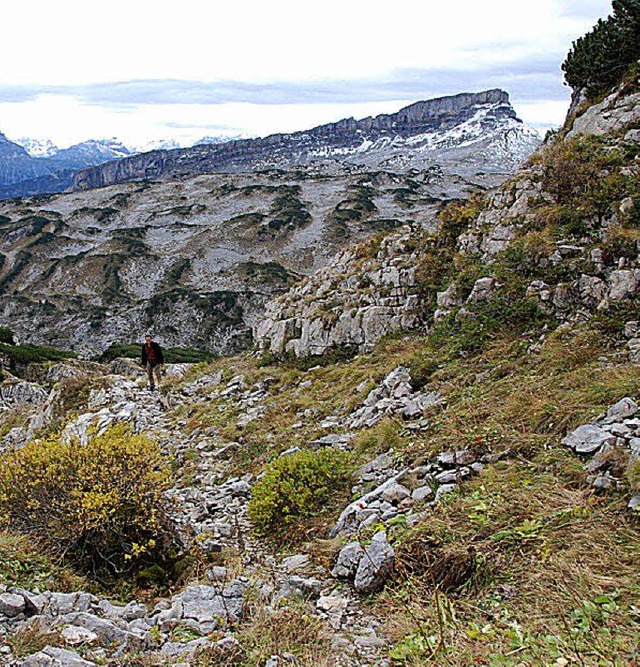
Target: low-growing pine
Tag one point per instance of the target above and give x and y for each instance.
(298, 486)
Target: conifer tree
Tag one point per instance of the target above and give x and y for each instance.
(600, 59)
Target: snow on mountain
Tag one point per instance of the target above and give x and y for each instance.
(156, 145)
(220, 139)
(99, 150)
(38, 147)
(491, 135)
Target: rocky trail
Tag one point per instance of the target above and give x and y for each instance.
(210, 508)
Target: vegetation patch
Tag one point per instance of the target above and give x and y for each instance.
(7, 336)
(298, 486)
(98, 505)
(287, 213)
(523, 567)
(600, 59)
(20, 355)
(293, 630)
(24, 566)
(266, 274)
(29, 639)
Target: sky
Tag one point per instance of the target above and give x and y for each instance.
(145, 71)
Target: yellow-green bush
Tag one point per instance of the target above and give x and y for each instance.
(99, 504)
(298, 486)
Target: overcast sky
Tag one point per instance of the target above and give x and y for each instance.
(142, 70)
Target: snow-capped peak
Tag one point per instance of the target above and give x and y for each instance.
(37, 147)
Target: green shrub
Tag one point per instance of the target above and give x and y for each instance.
(27, 354)
(503, 312)
(101, 504)
(6, 336)
(612, 320)
(335, 354)
(298, 486)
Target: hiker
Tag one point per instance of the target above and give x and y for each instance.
(152, 360)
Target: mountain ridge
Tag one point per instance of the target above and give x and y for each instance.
(322, 144)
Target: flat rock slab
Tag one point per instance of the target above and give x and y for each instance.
(588, 438)
(11, 605)
(55, 657)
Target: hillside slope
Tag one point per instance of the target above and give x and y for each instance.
(431, 458)
(196, 258)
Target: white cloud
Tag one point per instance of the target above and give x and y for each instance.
(543, 115)
(67, 120)
(69, 42)
(77, 42)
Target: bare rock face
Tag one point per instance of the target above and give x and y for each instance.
(13, 394)
(375, 565)
(353, 302)
(616, 112)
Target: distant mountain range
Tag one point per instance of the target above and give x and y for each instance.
(35, 166)
(464, 134)
(41, 162)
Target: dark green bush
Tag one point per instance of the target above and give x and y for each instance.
(6, 336)
(457, 217)
(504, 312)
(298, 486)
(612, 320)
(27, 354)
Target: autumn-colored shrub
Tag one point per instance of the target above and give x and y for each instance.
(101, 504)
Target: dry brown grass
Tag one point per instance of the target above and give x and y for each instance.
(32, 638)
(292, 629)
(550, 559)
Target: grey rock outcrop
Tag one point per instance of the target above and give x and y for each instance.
(612, 442)
(375, 565)
(616, 112)
(14, 394)
(394, 395)
(349, 303)
(348, 560)
(52, 656)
